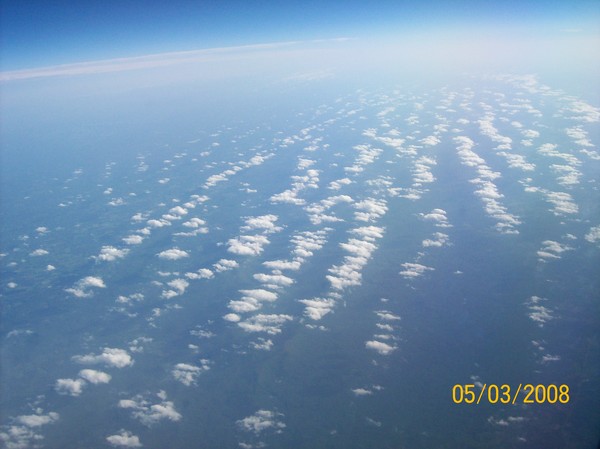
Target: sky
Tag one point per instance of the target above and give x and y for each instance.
(39, 33)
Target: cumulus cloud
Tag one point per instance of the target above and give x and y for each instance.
(552, 250)
(380, 347)
(23, 434)
(439, 239)
(247, 245)
(147, 413)
(173, 254)
(264, 323)
(133, 239)
(225, 265)
(187, 374)
(537, 312)
(317, 308)
(118, 358)
(413, 270)
(262, 420)
(82, 287)
(71, 387)
(95, 377)
(110, 253)
(438, 216)
(593, 234)
(266, 223)
(202, 273)
(277, 280)
(370, 209)
(38, 252)
(124, 439)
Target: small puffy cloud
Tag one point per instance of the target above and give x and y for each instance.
(110, 253)
(262, 344)
(124, 439)
(118, 358)
(380, 347)
(263, 222)
(187, 374)
(225, 265)
(81, 287)
(264, 323)
(247, 245)
(133, 239)
(173, 254)
(71, 387)
(37, 420)
(362, 392)
(194, 223)
(438, 216)
(260, 421)
(158, 223)
(439, 239)
(552, 250)
(593, 235)
(202, 273)
(337, 185)
(538, 312)
(95, 377)
(278, 280)
(430, 141)
(232, 317)
(149, 414)
(38, 252)
(413, 270)
(317, 308)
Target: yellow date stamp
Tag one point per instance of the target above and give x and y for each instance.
(504, 394)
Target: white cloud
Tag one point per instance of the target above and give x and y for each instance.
(317, 308)
(115, 357)
(263, 222)
(274, 279)
(439, 239)
(173, 254)
(412, 270)
(82, 286)
(552, 250)
(149, 414)
(370, 209)
(38, 252)
(187, 374)
(225, 265)
(261, 421)
(133, 239)
(71, 387)
(537, 312)
(95, 377)
(593, 234)
(194, 223)
(124, 439)
(202, 273)
(380, 347)
(158, 223)
(37, 420)
(362, 392)
(247, 245)
(110, 253)
(264, 323)
(232, 317)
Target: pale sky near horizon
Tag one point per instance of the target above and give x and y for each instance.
(39, 34)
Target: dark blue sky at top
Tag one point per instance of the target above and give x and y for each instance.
(37, 33)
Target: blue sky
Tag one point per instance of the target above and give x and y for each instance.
(39, 33)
